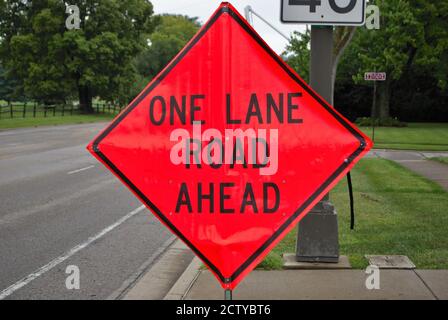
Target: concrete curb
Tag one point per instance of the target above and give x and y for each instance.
(163, 275)
(182, 286)
(129, 284)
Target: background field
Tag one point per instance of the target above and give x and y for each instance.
(50, 121)
(417, 136)
(20, 114)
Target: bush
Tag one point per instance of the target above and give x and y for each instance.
(388, 122)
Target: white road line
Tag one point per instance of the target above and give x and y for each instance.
(24, 281)
(80, 170)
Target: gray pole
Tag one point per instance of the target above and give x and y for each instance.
(374, 112)
(317, 239)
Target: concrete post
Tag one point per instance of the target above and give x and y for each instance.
(317, 239)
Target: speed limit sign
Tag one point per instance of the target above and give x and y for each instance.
(324, 12)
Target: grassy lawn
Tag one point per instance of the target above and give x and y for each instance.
(417, 136)
(50, 120)
(441, 159)
(397, 212)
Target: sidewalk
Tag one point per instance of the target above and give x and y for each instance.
(325, 285)
(417, 161)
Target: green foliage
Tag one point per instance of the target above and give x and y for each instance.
(416, 136)
(412, 33)
(443, 160)
(9, 88)
(53, 121)
(56, 63)
(169, 37)
(298, 54)
(412, 47)
(388, 49)
(386, 122)
(273, 261)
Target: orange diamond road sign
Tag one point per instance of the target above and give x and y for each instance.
(229, 147)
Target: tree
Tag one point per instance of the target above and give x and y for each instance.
(298, 54)
(406, 40)
(341, 39)
(96, 60)
(432, 56)
(169, 37)
(9, 88)
(411, 44)
(298, 51)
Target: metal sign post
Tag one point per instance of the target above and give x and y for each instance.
(374, 111)
(317, 239)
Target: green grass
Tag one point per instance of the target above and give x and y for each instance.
(440, 159)
(397, 212)
(51, 121)
(417, 136)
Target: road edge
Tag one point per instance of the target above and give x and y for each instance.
(164, 274)
(183, 285)
(132, 281)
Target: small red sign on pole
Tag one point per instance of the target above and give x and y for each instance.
(229, 147)
(375, 76)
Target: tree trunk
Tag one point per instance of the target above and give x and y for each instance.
(85, 99)
(384, 90)
(375, 111)
(342, 38)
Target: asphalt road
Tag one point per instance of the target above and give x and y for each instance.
(59, 207)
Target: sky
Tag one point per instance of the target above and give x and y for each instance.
(268, 9)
